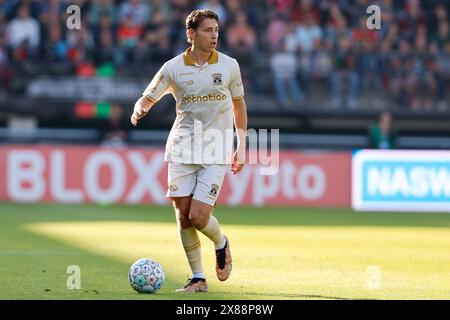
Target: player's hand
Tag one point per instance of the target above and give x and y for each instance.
(238, 160)
(137, 115)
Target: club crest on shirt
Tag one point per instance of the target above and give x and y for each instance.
(214, 189)
(217, 78)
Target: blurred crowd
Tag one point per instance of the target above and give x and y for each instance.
(408, 58)
(302, 43)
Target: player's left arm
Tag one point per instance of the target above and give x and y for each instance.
(240, 116)
(240, 123)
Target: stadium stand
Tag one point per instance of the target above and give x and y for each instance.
(311, 68)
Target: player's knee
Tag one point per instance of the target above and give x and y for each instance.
(183, 220)
(182, 213)
(197, 219)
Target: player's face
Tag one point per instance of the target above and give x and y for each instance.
(206, 36)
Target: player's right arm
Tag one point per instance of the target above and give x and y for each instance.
(141, 108)
(158, 87)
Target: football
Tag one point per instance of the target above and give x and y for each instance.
(146, 276)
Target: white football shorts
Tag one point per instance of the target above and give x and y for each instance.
(203, 181)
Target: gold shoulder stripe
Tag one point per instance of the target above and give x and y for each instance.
(150, 98)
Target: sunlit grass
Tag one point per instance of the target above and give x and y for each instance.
(321, 258)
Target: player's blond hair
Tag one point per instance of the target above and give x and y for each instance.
(195, 18)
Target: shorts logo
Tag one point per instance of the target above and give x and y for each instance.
(173, 188)
(217, 78)
(190, 82)
(214, 189)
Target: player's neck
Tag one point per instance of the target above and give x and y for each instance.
(199, 56)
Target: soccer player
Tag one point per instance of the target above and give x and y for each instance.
(208, 91)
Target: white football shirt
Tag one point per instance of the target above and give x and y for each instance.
(202, 132)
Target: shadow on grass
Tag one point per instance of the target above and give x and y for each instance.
(34, 267)
(44, 260)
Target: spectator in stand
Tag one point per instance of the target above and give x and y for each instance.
(290, 38)
(180, 9)
(399, 78)
(387, 19)
(217, 7)
(411, 77)
(368, 69)
(5, 70)
(163, 6)
(391, 36)
(316, 64)
(232, 7)
(107, 51)
(443, 76)
(410, 17)
(34, 8)
(81, 44)
(439, 15)
(284, 67)
(336, 25)
(353, 10)
(128, 35)
(242, 42)
(255, 13)
(362, 34)
(4, 8)
(442, 35)
(24, 32)
(105, 23)
(155, 44)
(56, 48)
(276, 31)
(307, 32)
(344, 71)
(136, 11)
(425, 66)
(241, 37)
(303, 11)
(100, 9)
(3, 26)
(282, 6)
(53, 12)
(430, 83)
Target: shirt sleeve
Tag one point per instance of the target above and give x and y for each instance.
(236, 86)
(159, 86)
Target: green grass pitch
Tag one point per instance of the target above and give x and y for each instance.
(278, 253)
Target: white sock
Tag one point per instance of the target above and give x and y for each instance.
(222, 245)
(198, 275)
